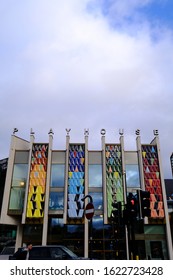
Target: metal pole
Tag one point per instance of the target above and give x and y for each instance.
(91, 238)
(90, 226)
(126, 227)
(124, 192)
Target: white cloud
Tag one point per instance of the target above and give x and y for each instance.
(62, 65)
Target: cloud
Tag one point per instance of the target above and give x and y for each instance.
(82, 64)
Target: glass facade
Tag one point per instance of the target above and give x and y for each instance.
(95, 175)
(32, 233)
(57, 175)
(57, 182)
(95, 185)
(18, 185)
(71, 236)
(132, 176)
(105, 243)
(56, 200)
(97, 200)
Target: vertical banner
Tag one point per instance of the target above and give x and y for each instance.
(76, 182)
(152, 180)
(37, 182)
(114, 181)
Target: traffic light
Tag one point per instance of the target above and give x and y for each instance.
(132, 205)
(145, 203)
(130, 212)
(116, 212)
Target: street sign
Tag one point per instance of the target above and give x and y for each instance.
(89, 211)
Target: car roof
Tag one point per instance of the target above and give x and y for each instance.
(61, 246)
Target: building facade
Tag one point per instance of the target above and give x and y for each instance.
(46, 192)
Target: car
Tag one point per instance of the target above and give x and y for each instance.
(6, 252)
(48, 252)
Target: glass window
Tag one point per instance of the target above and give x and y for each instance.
(97, 200)
(56, 231)
(57, 175)
(97, 227)
(95, 175)
(56, 200)
(58, 157)
(54, 222)
(132, 176)
(40, 253)
(74, 231)
(21, 157)
(32, 233)
(95, 157)
(20, 173)
(159, 229)
(131, 157)
(19, 179)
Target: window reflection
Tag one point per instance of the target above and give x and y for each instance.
(34, 231)
(19, 179)
(95, 175)
(56, 200)
(132, 176)
(20, 173)
(72, 236)
(56, 222)
(57, 175)
(97, 200)
(75, 231)
(97, 226)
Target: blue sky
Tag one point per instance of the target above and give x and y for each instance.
(160, 11)
(87, 64)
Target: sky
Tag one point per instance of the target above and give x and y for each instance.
(87, 64)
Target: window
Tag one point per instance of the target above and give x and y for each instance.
(20, 173)
(74, 232)
(97, 200)
(57, 175)
(132, 176)
(19, 178)
(56, 200)
(40, 253)
(34, 232)
(95, 175)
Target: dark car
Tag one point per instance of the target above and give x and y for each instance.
(6, 252)
(49, 252)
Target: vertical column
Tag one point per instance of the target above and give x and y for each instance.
(19, 236)
(66, 175)
(140, 161)
(4, 209)
(86, 224)
(121, 132)
(123, 166)
(46, 203)
(168, 231)
(105, 210)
